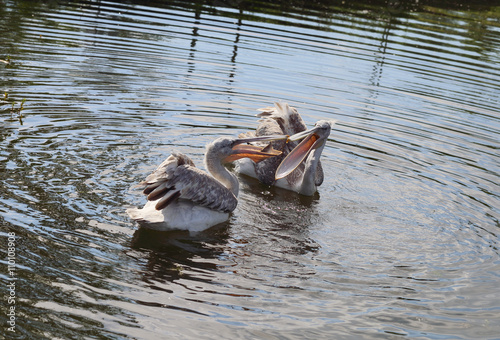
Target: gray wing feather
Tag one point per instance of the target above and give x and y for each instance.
(177, 177)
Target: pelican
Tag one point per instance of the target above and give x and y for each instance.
(298, 168)
(181, 196)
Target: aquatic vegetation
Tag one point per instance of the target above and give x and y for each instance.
(12, 108)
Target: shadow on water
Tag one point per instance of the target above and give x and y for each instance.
(181, 246)
(283, 217)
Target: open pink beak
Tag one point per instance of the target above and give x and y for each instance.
(297, 155)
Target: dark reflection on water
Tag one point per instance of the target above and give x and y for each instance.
(401, 240)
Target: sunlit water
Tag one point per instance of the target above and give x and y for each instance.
(401, 240)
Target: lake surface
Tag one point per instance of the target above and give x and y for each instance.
(401, 241)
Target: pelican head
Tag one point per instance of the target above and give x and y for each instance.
(313, 142)
(226, 149)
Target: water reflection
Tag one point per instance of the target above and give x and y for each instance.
(172, 255)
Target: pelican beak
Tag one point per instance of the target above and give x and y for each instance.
(303, 134)
(261, 139)
(255, 153)
(301, 151)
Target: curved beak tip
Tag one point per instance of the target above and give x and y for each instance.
(255, 153)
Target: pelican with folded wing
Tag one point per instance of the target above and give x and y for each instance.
(181, 196)
(298, 168)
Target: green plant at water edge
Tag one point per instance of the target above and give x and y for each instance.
(15, 112)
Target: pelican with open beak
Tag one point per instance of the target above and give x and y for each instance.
(300, 170)
(181, 196)
(299, 164)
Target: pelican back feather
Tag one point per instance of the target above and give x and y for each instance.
(177, 178)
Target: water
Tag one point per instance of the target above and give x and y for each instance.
(402, 239)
